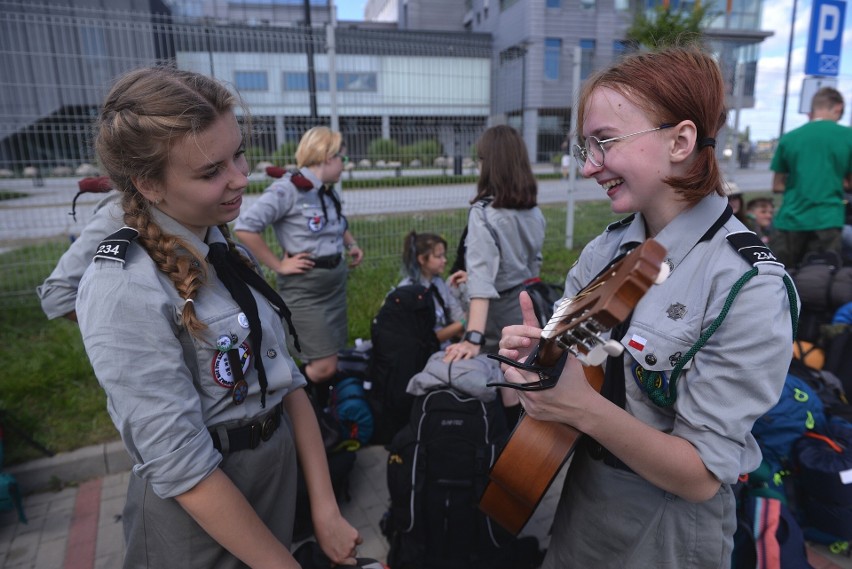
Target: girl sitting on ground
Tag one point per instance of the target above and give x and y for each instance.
(424, 259)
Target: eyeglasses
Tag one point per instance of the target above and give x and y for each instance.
(594, 152)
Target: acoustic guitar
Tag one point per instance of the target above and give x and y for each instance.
(536, 450)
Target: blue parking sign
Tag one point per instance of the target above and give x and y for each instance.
(825, 39)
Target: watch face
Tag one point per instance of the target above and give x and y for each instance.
(475, 338)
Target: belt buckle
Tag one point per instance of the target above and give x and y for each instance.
(267, 428)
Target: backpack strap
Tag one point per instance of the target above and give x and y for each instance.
(114, 247)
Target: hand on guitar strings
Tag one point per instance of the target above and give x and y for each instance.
(564, 403)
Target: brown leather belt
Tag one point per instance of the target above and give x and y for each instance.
(247, 437)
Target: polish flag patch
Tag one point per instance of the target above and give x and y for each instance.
(637, 342)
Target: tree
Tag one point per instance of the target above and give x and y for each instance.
(667, 26)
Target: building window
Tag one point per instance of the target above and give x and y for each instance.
(251, 81)
(620, 48)
(552, 53)
(554, 3)
(352, 82)
(587, 55)
(356, 81)
(506, 4)
(587, 4)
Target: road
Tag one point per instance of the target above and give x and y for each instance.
(45, 212)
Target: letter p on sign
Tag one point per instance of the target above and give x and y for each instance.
(825, 39)
(829, 26)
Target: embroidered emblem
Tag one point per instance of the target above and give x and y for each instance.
(648, 380)
(316, 223)
(676, 311)
(637, 342)
(221, 366)
(674, 358)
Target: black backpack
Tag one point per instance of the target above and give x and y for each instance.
(403, 338)
(823, 284)
(437, 470)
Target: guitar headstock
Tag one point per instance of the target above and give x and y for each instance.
(578, 321)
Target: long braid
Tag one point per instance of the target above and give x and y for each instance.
(184, 268)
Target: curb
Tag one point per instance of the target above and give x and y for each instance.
(69, 468)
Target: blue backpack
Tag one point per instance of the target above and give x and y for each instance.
(10, 492)
(798, 410)
(349, 406)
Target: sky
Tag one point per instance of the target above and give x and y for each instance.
(764, 120)
(350, 9)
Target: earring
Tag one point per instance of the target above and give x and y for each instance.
(156, 201)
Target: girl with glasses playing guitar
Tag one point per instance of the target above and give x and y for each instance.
(666, 430)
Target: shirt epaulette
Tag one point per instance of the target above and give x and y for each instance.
(621, 222)
(751, 248)
(115, 246)
(301, 182)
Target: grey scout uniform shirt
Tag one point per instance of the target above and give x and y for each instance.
(58, 293)
(503, 248)
(164, 387)
(739, 374)
(296, 217)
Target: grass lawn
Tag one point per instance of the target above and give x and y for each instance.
(49, 393)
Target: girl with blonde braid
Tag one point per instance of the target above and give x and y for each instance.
(189, 344)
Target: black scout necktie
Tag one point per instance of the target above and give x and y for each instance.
(237, 277)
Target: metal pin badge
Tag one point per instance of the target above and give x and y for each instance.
(239, 392)
(224, 343)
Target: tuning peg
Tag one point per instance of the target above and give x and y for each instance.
(613, 348)
(594, 357)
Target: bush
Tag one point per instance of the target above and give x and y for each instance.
(286, 154)
(424, 150)
(254, 155)
(383, 149)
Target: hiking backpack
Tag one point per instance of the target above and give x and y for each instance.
(403, 338)
(768, 535)
(799, 409)
(823, 471)
(824, 285)
(348, 405)
(437, 470)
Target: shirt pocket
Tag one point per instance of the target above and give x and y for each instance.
(313, 218)
(656, 351)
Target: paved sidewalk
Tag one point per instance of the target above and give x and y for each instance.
(79, 527)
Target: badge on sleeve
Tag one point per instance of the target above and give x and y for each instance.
(115, 246)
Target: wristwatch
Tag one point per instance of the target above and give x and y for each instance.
(474, 337)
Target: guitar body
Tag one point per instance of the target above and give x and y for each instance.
(528, 465)
(536, 449)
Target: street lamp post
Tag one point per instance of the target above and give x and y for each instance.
(787, 73)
